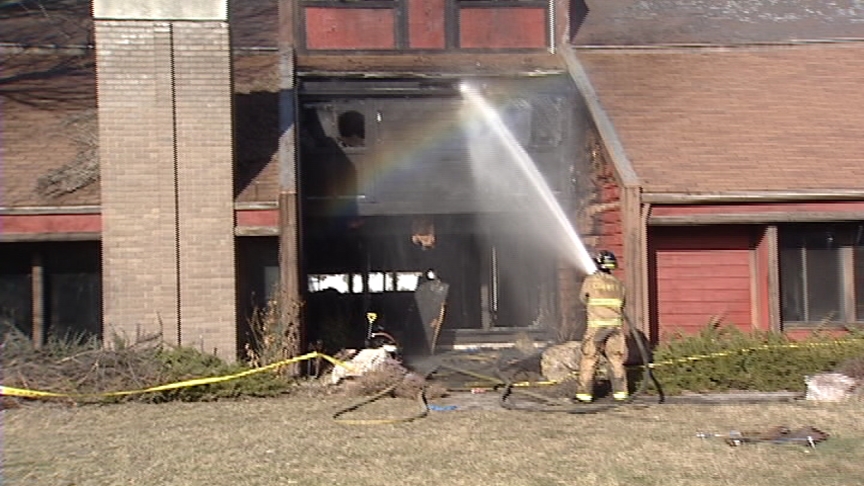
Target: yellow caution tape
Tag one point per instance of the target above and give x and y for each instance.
(25, 393)
(720, 354)
(21, 392)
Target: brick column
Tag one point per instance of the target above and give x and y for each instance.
(164, 90)
(205, 189)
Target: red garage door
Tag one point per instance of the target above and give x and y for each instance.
(699, 274)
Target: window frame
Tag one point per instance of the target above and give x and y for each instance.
(846, 278)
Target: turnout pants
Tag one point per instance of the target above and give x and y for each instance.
(615, 350)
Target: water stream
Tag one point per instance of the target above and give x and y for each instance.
(488, 157)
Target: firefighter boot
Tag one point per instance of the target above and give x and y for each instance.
(584, 397)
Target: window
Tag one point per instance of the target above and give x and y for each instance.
(352, 129)
(51, 289)
(73, 291)
(16, 293)
(822, 274)
(379, 282)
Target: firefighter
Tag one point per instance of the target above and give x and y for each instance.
(603, 296)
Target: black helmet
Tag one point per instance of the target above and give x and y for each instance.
(606, 260)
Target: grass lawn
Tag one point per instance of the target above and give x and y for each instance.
(294, 440)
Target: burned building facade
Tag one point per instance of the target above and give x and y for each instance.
(319, 154)
(171, 168)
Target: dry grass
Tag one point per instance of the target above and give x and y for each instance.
(293, 440)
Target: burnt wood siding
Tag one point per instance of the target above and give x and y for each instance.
(601, 223)
(699, 275)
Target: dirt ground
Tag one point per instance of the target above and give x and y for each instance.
(467, 439)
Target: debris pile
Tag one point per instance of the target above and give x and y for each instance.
(79, 367)
(373, 370)
(561, 360)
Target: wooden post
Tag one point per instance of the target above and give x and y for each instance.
(634, 234)
(37, 286)
(290, 300)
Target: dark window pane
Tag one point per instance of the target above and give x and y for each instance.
(824, 286)
(16, 296)
(792, 299)
(75, 305)
(811, 273)
(15, 301)
(73, 289)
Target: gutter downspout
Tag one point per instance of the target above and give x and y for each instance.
(752, 197)
(551, 26)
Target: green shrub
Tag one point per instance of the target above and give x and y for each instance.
(726, 358)
(181, 364)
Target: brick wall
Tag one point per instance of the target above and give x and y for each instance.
(165, 140)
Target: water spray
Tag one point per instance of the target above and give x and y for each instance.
(580, 256)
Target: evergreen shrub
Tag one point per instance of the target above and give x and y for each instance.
(181, 364)
(725, 358)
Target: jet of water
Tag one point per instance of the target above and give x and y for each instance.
(577, 253)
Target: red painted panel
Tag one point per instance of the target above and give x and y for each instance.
(50, 223)
(350, 28)
(426, 24)
(700, 274)
(257, 217)
(506, 28)
(694, 209)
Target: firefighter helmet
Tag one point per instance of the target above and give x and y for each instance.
(606, 260)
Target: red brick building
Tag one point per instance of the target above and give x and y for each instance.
(165, 165)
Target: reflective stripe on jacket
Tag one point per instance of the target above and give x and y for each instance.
(603, 295)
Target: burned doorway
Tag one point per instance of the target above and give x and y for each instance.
(388, 192)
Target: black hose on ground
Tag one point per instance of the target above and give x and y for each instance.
(554, 406)
(509, 389)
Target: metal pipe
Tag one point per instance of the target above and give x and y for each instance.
(552, 43)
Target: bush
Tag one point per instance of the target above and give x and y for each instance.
(726, 358)
(181, 364)
(77, 366)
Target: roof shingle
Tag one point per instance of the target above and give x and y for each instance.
(742, 119)
(640, 22)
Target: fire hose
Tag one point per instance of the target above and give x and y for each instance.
(508, 388)
(554, 406)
